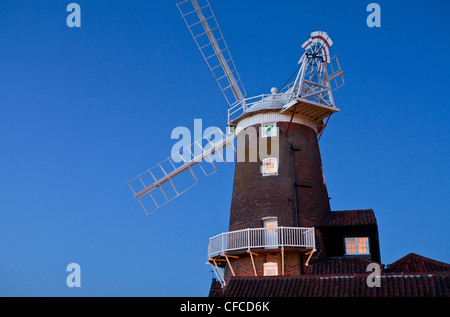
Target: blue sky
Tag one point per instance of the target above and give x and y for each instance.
(83, 110)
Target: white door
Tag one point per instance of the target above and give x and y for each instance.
(271, 232)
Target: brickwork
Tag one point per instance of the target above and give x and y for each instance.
(243, 266)
(256, 196)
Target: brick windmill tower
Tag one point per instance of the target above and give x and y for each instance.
(280, 197)
(279, 192)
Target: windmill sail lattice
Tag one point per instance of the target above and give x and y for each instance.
(172, 177)
(205, 30)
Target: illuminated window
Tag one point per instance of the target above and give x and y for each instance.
(270, 269)
(357, 245)
(270, 166)
(269, 129)
(269, 224)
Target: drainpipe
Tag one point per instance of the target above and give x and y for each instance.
(295, 185)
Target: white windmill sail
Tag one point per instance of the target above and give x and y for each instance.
(161, 184)
(172, 177)
(205, 30)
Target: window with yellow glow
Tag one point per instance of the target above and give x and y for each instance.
(270, 167)
(270, 269)
(358, 245)
(270, 225)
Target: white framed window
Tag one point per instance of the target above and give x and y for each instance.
(270, 166)
(270, 269)
(357, 245)
(269, 130)
(270, 222)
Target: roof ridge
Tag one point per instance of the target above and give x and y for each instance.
(396, 284)
(343, 275)
(413, 255)
(349, 218)
(350, 210)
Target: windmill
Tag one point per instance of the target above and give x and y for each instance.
(269, 211)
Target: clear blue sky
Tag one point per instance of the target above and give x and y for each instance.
(83, 110)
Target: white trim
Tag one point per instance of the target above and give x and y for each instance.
(274, 116)
(268, 218)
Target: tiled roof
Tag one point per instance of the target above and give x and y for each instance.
(350, 218)
(340, 265)
(425, 285)
(411, 276)
(417, 263)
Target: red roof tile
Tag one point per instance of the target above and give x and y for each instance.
(417, 263)
(410, 276)
(425, 285)
(350, 218)
(340, 265)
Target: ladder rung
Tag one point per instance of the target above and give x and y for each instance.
(194, 9)
(214, 28)
(210, 43)
(216, 54)
(183, 2)
(202, 47)
(228, 60)
(206, 19)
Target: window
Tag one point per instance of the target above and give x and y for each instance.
(270, 269)
(270, 166)
(357, 245)
(270, 222)
(269, 129)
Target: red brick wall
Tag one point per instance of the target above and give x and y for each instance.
(243, 265)
(255, 197)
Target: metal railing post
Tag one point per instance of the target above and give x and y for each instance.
(222, 242)
(248, 239)
(313, 238)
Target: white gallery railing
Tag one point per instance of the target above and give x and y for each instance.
(257, 238)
